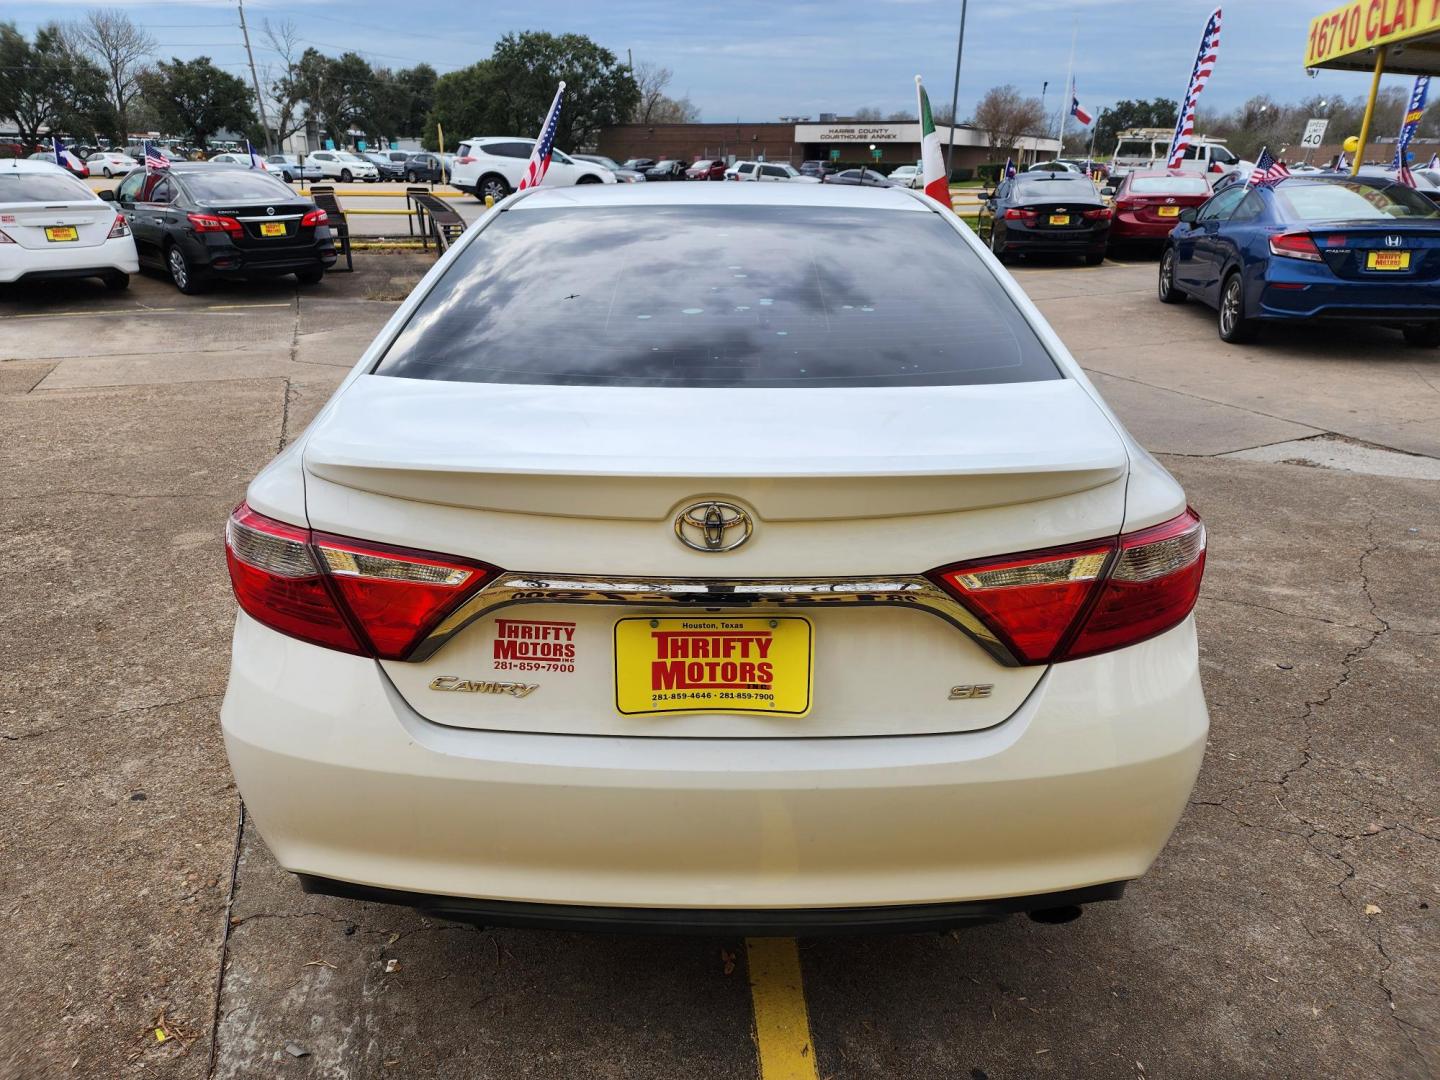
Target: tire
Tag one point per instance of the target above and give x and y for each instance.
(493, 185)
(997, 248)
(1424, 336)
(588, 179)
(1094, 258)
(116, 281)
(1169, 294)
(311, 276)
(1230, 320)
(108, 173)
(187, 278)
(412, 177)
(346, 176)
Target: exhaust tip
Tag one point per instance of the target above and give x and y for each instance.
(1054, 916)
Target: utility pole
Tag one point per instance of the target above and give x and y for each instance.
(254, 78)
(954, 93)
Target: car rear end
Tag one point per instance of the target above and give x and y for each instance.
(51, 226)
(1056, 214)
(660, 643)
(249, 224)
(1364, 250)
(1148, 204)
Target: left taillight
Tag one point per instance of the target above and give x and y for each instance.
(119, 228)
(314, 217)
(370, 599)
(1065, 603)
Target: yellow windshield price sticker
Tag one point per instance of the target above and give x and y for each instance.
(727, 665)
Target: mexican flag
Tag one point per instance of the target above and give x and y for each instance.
(937, 184)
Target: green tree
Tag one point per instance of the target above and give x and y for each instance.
(196, 99)
(48, 86)
(510, 93)
(419, 84)
(1156, 113)
(335, 91)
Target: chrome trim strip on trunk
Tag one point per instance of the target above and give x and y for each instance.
(270, 217)
(716, 594)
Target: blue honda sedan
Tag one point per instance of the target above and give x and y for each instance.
(1319, 246)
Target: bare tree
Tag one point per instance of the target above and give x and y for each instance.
(1004, 115)
(655, 107)
(287, 89)
(869, 114)
(120, 48)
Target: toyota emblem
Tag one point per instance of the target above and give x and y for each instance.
(713, 526)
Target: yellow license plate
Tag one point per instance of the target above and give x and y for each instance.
(59, 234)
(731, 665)
(272, 228)
(1169, 211)
(1387, 260)
(1059, 219)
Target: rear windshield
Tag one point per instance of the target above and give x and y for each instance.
(41, 187)
(731, 296)
(1170, 185)
(235, 184)
(1349, 200)
(1055, 186)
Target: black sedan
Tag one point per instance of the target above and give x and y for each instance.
(666, 170)
(200, 221)
(858, 178)
(1046, 213)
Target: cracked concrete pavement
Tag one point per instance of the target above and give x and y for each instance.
(1289, 929)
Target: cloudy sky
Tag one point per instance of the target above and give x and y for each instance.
(760, 59)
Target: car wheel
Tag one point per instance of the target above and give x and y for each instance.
(997, 246)
(1094, 258)
(1235, 328)
(1424, 336)
(411, 177)
(492, 186)
(1169, 294)
(588, 179)
(187, 279)
(345, 176)
(116, 280)
(107, 172)
(310, 276)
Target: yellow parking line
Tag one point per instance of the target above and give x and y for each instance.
(782, 1022)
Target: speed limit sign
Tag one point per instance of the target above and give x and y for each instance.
(1314, 133)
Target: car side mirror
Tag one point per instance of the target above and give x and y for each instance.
(108, 195)
(1107, 191)
(1188, 215)
(987, 196)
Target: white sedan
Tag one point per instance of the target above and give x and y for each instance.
(343, 166)
(109, 163)
(53, 226)
(820, 589)
(910, 176)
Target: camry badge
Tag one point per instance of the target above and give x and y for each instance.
(456, 685)
(713, 526)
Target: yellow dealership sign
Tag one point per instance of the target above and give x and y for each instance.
(1362, 25)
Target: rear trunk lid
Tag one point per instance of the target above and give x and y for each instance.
(1365, 251)
(267, 225)
(575, 492)
(39, 226)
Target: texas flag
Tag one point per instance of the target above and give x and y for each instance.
(256, 161)
(1077, 110)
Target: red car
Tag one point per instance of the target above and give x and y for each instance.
(1148, 203)
(706, 170)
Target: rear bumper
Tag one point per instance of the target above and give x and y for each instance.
(26, 264)
(1080, 787)
(1021, 241)
(1352, 301)
(222, 257)
(1126, 228)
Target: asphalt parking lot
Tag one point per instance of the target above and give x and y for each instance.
(1289, 929)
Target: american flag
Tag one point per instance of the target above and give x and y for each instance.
(540, 156)
(1199, 76)
(153, 158)
(1268, 170)
(1405, 176)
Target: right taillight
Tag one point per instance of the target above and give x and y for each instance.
(313, 218)
(371, 599)
(1064, 603)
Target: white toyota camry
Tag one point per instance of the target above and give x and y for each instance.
(742, 557)
(53, 226)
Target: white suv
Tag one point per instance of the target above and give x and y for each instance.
(343, 166)
(494, 166)
(768, 171)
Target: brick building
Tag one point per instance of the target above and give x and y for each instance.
(848, 142)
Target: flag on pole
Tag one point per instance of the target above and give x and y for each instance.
(937, 184)
(1078, 111)
(540, 156)
(256, 161)
(1267, 170)
(1009, 173)
(153, 158)
(1199, 76)
(1342, 163)
(1411, 123)
(1434, 162)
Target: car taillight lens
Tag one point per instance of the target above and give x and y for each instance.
(1084, 599)
(1021, 215)
(1295, 246)
(119, 229)
(1103, 214)
(464, 161)
(1129, 204)
(210, 223)
(352, 595)
(314, 217)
